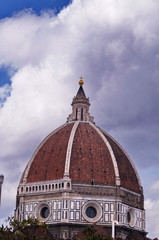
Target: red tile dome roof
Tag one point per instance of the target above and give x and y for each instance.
(95, 156)
(83, 152)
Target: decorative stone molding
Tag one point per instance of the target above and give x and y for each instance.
(42, 211)
(92, 211)
(74, 210)
(45, 187)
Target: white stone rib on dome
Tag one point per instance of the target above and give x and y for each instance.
(130, 160)
(69, 149)
(115, 165)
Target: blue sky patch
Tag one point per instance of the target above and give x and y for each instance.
(8, 7)
(4, 76)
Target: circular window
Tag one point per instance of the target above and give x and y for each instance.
(92, 211)
(131, 217)
(42, 211)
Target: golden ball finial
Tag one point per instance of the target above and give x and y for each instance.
(81, 82)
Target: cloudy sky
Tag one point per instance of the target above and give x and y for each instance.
(45, 46)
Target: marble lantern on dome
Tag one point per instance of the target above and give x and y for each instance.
(80, 175)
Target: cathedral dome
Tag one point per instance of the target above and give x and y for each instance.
(84, 153)
(80, 175)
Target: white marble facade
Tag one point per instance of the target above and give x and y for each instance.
(72, 208)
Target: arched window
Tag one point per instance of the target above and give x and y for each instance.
(81, 114)
(76, 113)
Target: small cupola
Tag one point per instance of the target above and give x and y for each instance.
(80, 106)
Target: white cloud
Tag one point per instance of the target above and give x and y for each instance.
(152, 213)
(155, 186)
(113, 44)
(21, 40)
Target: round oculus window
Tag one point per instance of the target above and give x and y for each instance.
(91, 212)
(44, 213)
(131, 217)
(128, 217)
